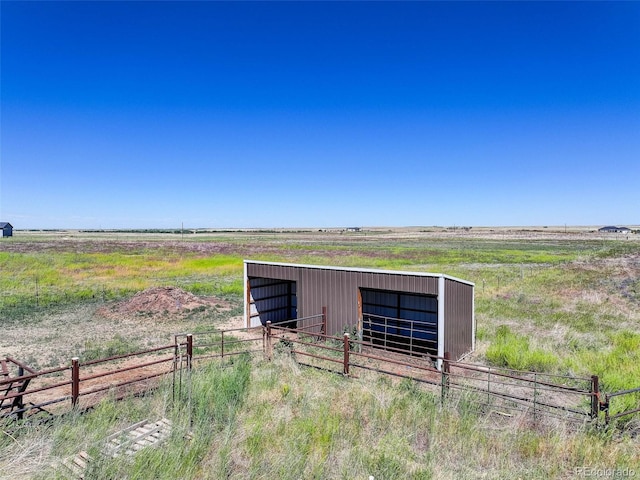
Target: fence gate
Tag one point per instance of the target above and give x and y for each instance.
(400, 321)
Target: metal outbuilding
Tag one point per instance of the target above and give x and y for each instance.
(417, 312)
(6, 229)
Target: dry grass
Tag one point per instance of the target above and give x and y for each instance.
(266, 420)
(24, 457)
(57, 337)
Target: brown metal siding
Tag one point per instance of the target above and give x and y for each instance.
(458, 314)
(280, 272)
(338, 291)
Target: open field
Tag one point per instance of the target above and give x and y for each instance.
(565, 301)
(554, 300)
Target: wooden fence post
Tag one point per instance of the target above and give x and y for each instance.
(75, 380)
(595, 396)
(269, 345)
(346, 354)
(222, 343)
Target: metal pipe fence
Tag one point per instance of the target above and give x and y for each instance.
(542, 394)
(634, 393)
(412, 336)
(25, 391)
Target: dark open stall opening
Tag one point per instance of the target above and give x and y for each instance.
(400, 321)
(274, 301)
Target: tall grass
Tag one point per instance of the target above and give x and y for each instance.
(217, 394)
(515, 351)
(252, 419)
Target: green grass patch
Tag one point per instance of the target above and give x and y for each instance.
(33, 281)
(514, 351)
(617, 364)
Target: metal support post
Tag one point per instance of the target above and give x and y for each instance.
(75, 380)
(595, 396)
(189, 351)
(346, 354)
(445, 375)
(269, 342)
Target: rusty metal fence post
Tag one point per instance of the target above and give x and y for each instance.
(175, 368)
(323, 328)
(446, 369)
(269, 345)
(75, 380)
(595, 396)
(535, 398)
(346, 354)
(189, 364)
(189, 351)
(18, 402)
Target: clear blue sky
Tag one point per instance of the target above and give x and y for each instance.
(154, 114)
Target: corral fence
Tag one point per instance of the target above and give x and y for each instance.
(633, 397)
(506, 392)
(25, 392)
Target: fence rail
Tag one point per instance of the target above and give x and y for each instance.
(390, 333)
(24, 390)
(621, 393)
(551, 395)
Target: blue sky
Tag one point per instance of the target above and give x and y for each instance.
(208, 114)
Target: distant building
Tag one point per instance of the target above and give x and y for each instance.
(353, 229)
(6, 229)
(612, 229)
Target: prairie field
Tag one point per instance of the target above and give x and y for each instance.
(563, 301)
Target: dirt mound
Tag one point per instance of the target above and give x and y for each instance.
(161, 301)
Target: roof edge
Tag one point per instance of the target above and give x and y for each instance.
(363, 270)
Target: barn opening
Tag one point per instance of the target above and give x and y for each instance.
(274, 301)
(400, 321)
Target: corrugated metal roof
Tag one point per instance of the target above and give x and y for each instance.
(363, 270)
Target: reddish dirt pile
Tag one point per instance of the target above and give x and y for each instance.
(161, 301)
